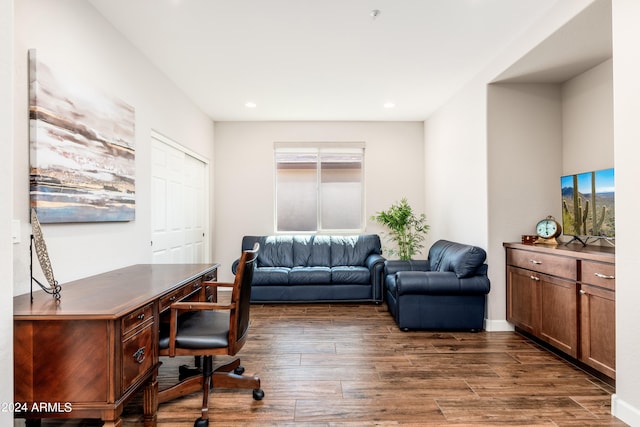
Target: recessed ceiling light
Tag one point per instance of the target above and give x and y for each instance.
(389, 105)
(250, 105)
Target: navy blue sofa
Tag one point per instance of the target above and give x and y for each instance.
(445, 292)
(314, 268)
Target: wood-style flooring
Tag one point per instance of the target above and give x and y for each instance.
(349, 365)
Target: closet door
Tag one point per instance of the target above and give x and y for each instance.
(179, 205)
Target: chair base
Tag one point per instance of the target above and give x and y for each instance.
(223, 376)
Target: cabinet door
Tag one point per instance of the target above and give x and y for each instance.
(598, 329)
(559, 313)
(522, 299)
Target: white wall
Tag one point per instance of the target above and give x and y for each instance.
(525, 145)
(6, 195)
(459, 197)
(587, 118)
(78, 42)
(554, 129)
(244, 154)
(469, 109)
(456, 170)
(626, 107)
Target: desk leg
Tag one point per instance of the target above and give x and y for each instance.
(150, 402)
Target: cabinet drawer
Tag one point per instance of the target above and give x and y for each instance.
(179, 294)
(543, 263)
(136, 318)
(137, 356)
(599, 274)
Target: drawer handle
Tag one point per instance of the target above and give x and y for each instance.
(138, 356)
(582, 292)
(172, 299)
(604, 276)
(141, 316)
(534, 261)
(534, 278)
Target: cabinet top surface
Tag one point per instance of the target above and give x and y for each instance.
(589, 252)
(111, 294)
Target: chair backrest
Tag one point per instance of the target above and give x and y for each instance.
(241, 298)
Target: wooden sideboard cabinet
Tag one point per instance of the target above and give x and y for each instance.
(565, 296)
(598, 316)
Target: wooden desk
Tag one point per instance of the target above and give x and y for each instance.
(88, 354)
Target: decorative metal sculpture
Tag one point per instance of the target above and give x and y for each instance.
(37, 241)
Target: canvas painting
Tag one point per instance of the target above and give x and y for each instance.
(82, 150)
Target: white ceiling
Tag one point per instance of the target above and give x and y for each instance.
(322, 59)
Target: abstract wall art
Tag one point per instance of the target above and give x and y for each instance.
(82, 150)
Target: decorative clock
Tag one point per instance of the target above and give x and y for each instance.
(547, 230)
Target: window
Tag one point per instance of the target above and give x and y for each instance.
(319, 187)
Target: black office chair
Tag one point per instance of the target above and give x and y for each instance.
(207, 329)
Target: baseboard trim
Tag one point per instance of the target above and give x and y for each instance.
(624, 411)
(497, 326)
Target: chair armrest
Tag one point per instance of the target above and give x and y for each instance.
(199, 306)
(218, 284)
(394, 266)
(214, 292)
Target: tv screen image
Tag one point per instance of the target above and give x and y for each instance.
(588, 205)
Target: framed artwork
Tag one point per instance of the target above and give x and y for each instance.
(82, 150)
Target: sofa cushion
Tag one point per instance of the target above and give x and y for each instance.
(270, 276)
(276, 251)
(311, 251)
(353, 250)
(462, 259)
(350, 274)
(309, 275)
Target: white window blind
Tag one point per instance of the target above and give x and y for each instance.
(319, 187)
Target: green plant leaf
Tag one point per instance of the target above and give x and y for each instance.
(406, 230)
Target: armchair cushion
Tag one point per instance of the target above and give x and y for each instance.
(462, 259)
(439, 283)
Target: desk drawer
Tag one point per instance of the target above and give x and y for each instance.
(599, 274)
(136, 318)
(138, 353)
(179, 294)
(543, 263)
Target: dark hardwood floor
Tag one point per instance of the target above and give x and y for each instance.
(349, 365)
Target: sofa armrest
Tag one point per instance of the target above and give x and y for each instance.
(394, 266)
(440, 283)
(375, 264)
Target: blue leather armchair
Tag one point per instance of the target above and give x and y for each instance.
(445, 292)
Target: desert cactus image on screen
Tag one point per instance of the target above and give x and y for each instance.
(588, 204)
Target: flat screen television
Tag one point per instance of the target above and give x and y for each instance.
(588, 206)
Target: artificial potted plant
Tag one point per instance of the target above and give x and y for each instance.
(407, 230)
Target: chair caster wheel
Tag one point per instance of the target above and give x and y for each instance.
(258, 394)
(200, 422)
(239, 370)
